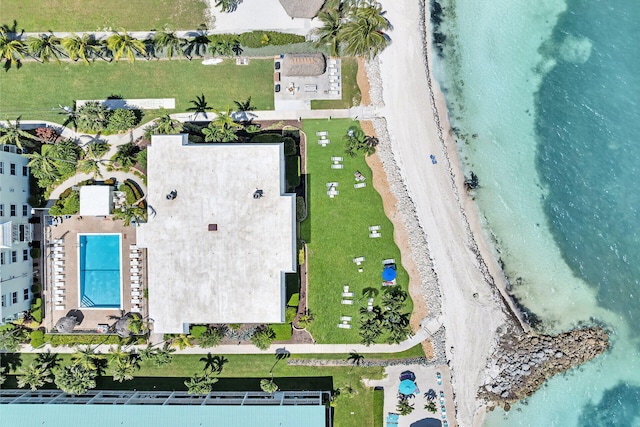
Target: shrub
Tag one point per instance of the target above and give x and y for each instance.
(47, 134)
(196, 331)
(289, 314)
(235, 326)
(37, 338)
(263, 337)
(301, 209)
(267, 137)
(35, 288)
(134, 187)
(210, 338)
(290, 148)
(263, 38)
(129, 192)
(294, 300)
(142, 159)
(282, 331)
(70, 205)
(291, 167)
(301, 256)
(35, 253)
(93, 117)
(122, 119)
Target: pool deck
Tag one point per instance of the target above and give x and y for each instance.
(68, 232)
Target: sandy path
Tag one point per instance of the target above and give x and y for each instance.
(472, 307)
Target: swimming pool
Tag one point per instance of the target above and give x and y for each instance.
(100, 275)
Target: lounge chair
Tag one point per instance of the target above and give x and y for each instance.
(322, 133)
(135, 294)
(374, 228)
(374, 234)
(59, 307)
(334, 166)
(347, 294)
(344, 326)
(345, 318)
(135, 301)
(345, 288)
(360, 185)
(59, 291)
(135, 285)
(135, 309)
(347, 301)
(58, 298)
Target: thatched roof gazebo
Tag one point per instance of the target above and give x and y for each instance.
(302, 8)
(303, 64)
(122, 327)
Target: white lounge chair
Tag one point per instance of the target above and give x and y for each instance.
(59, 307)
(134, 255)
(59, 277)
(59, 284)
(322, 133)
(135, 285)
(58, 298)
(59, 291)
(345, 288)
(374, 235)
(59, 269)
(334, 166)
(360, 185)
(337, 159)
(135, 301)
(347, 301)
(345, 318)
(347, 294)
(135, 294)
(134, 270)
(374, 228)
(135, 309)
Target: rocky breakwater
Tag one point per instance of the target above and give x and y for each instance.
(521, 364)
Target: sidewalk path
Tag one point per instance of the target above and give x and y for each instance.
(416, 339)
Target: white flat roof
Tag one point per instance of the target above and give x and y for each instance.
(95, 200)
(234, 274)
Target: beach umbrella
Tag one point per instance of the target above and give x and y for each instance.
(407, 387)
(388, 274)
(66, 324)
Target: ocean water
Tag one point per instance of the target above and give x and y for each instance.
(545, 98)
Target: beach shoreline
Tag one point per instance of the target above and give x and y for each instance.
(474, 302)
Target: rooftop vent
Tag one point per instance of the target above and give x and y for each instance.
(172, 195)
(213, 227)
(258, 194)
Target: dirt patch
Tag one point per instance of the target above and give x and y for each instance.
(363, 83)
(400, 234)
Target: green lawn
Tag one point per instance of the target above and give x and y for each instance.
(350, 90)
(336, 231)
(244, 372)
(78, 15)
(35, 90)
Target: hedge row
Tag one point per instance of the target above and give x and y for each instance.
(265, 38)
(136, 191)
(80, 339)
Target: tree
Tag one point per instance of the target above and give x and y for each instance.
(129, 215)
(53, 161)
(45, 47)
(136, 324)
(227, 6)
(80, 47)
(93, 117)
(169, 41)
(215, 133)
(181, 341)
(200, 384)
(165, 125)
(404, 407)
(363, 38)
(125, 368)
(75, 379)
(126, 155)
(90, 167)
(356, 140)
(122, 44)
(12, 51)
(34, 375)
(117, 354)
(356, 360)
(96, 150)
(431, 406)
(225, 120)
(163, 355)
(268, 386)
(210, 338)
(330, 31)
(122, 119)
(263, 337)
(13, 134)
(200, 105)
(87, 359)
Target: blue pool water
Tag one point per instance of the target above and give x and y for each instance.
(100, 270)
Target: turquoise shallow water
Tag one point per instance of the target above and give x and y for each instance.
(545, 98)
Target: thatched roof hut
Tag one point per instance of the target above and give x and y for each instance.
(122, 327)
(66, 324)
(303, 64)
(302, 8)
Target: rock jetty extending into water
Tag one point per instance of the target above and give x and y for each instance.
(521, 364)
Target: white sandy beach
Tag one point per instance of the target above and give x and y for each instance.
(472, 308)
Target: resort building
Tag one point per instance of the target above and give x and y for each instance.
(16, 233)
(220, 234)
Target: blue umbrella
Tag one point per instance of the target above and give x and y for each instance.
(407, 387)
(388, 274)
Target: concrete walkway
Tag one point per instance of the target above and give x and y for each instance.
(416, 339)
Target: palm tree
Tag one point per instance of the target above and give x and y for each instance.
(13, 134)
(364, 37)
(404, 407)
(227, 5)
(90, 167)
(163, 355)
(44, 47)
(330, 31)
(268, 386)
(86, 359)
(356, 360)
(263, 337)
(225, 120)
(165, 125)
(129, 215)
(215, 133)
(122, 44)
(34, 375)
(43, 165)
(168, 40)
(117, 354)
(126, 155)
(51, 360)
(125, 368)
(96, 150)
(93, 116)
(210, 338)
(75, 379)
(181, 341)
(197, 45)
(12, 51)
(200, 384)
(80, 47)
(200, 105)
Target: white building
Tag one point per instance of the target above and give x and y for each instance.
(221, 233)
(15, 234)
